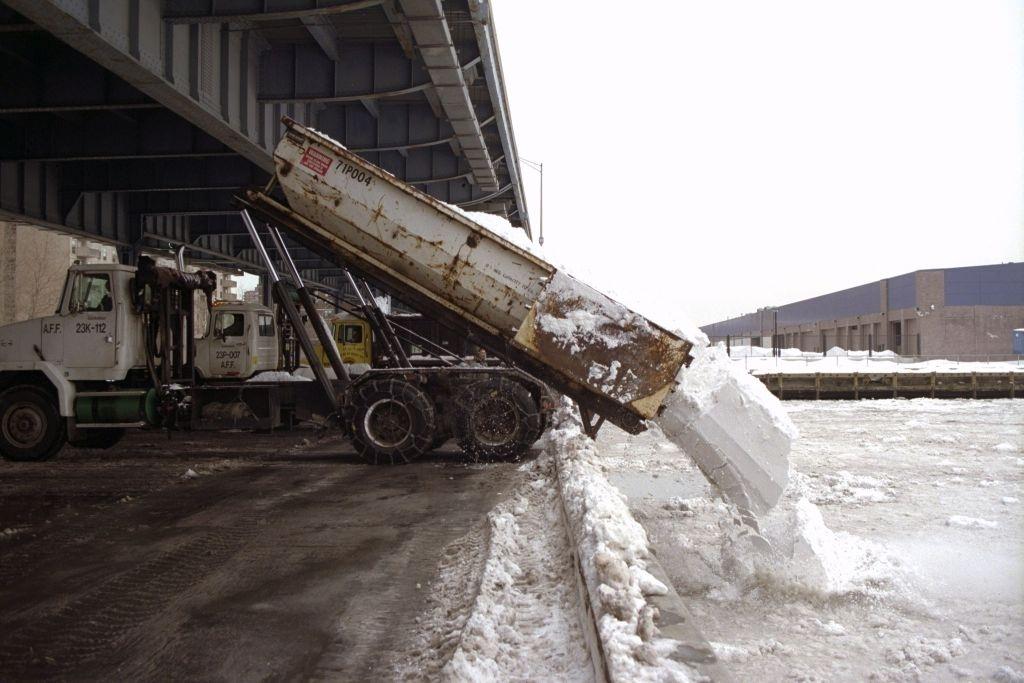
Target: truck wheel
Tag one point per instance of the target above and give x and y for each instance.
(393, 422)
(97, 438)
(31, 427)
(496, 419)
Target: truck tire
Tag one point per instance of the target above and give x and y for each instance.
(97, 438)
(393, 422)
(496, 419)
(31, 428)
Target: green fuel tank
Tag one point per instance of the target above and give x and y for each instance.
(116, 407)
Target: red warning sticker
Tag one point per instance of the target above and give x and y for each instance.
(316, 161)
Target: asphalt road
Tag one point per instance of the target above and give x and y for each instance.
(279, 560)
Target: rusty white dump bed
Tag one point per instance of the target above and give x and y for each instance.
(587, 345)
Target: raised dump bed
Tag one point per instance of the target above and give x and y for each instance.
(613, 362)
(608, 358)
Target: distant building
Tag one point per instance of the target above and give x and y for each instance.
(33, 267)
(34, 263)
(969, 311)
(87, 251)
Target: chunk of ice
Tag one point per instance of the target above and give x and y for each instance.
(734, 430)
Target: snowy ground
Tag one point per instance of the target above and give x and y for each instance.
(504, 603)
(919, 573)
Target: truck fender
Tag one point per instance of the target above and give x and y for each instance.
(65, 389)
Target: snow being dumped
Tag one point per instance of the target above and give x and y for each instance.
(735, 431)
(727, 421)
(894, 553)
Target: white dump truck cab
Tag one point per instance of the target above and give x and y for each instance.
(116, 355)
(241, 340)
(94, 334)
(94, 338)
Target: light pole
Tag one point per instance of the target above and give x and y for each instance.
(539, 167)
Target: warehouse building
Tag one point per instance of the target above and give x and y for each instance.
(957, 312)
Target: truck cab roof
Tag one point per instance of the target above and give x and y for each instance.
(101, 267)
(240, 306)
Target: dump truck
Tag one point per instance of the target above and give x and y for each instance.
(123, 351)
(549, 329)
(614, 363)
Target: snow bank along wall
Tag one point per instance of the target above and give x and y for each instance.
(942, 312)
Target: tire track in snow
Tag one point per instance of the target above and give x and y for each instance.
(521, 622)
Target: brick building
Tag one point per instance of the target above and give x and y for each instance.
(943, 312)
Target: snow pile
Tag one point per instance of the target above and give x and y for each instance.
(810, 557)
(912, 658)
(759, 360)
(744, 351)
(798, 554)
(845, 488)
(603, 321)
(278, 376)
(1006, 674)
(523, 624)
(970, 522)
(728, 652)
(306, 372)
(502, 228)
(733, 428)
(613, 551)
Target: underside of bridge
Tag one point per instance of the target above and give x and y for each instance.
(135, 122)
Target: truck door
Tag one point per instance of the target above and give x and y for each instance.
(228, 357)
(353, 341)
(266, 343)
(90, 330)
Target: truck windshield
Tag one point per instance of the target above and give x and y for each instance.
(353, 334)
(229, 325)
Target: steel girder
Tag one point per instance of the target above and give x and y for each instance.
(128, 119)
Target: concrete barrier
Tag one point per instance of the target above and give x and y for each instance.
(627, 603)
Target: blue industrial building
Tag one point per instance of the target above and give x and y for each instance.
(961, 312)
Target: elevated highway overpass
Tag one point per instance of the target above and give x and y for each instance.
(135, 122)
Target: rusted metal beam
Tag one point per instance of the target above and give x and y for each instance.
(322, 7)
(65, 108)
(126, 157)
(347, 98)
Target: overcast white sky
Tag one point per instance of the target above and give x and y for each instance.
(735, 154)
